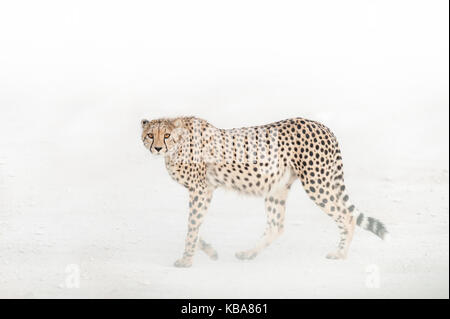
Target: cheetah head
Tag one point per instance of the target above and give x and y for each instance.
(161, 137)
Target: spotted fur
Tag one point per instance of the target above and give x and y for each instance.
(261, 161)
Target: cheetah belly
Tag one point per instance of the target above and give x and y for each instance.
(251, 180)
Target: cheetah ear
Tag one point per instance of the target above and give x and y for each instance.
(177, 123)
(144, 123)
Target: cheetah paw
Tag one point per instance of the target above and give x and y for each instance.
(214, 256)
(336, 255)
(183, 263)
(245, 255)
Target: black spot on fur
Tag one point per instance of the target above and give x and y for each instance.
(370, 224)
(359, 219)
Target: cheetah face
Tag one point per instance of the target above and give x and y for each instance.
(161, 137)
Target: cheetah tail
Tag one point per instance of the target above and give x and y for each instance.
(373, 225)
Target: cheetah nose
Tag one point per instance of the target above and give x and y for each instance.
(158, 149)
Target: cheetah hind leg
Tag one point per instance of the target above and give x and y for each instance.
(341, 210)
(336, 205)
(275, 204)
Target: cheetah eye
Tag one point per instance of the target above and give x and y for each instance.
(150, 135)
(166, 136)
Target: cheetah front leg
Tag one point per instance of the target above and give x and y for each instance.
(198, 206)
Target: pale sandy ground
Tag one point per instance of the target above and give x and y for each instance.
(79, 194)
(112, 211)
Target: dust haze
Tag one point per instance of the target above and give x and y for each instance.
(86, 211)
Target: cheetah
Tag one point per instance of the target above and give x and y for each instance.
(261, 161)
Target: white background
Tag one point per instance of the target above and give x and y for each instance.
(78, 188)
